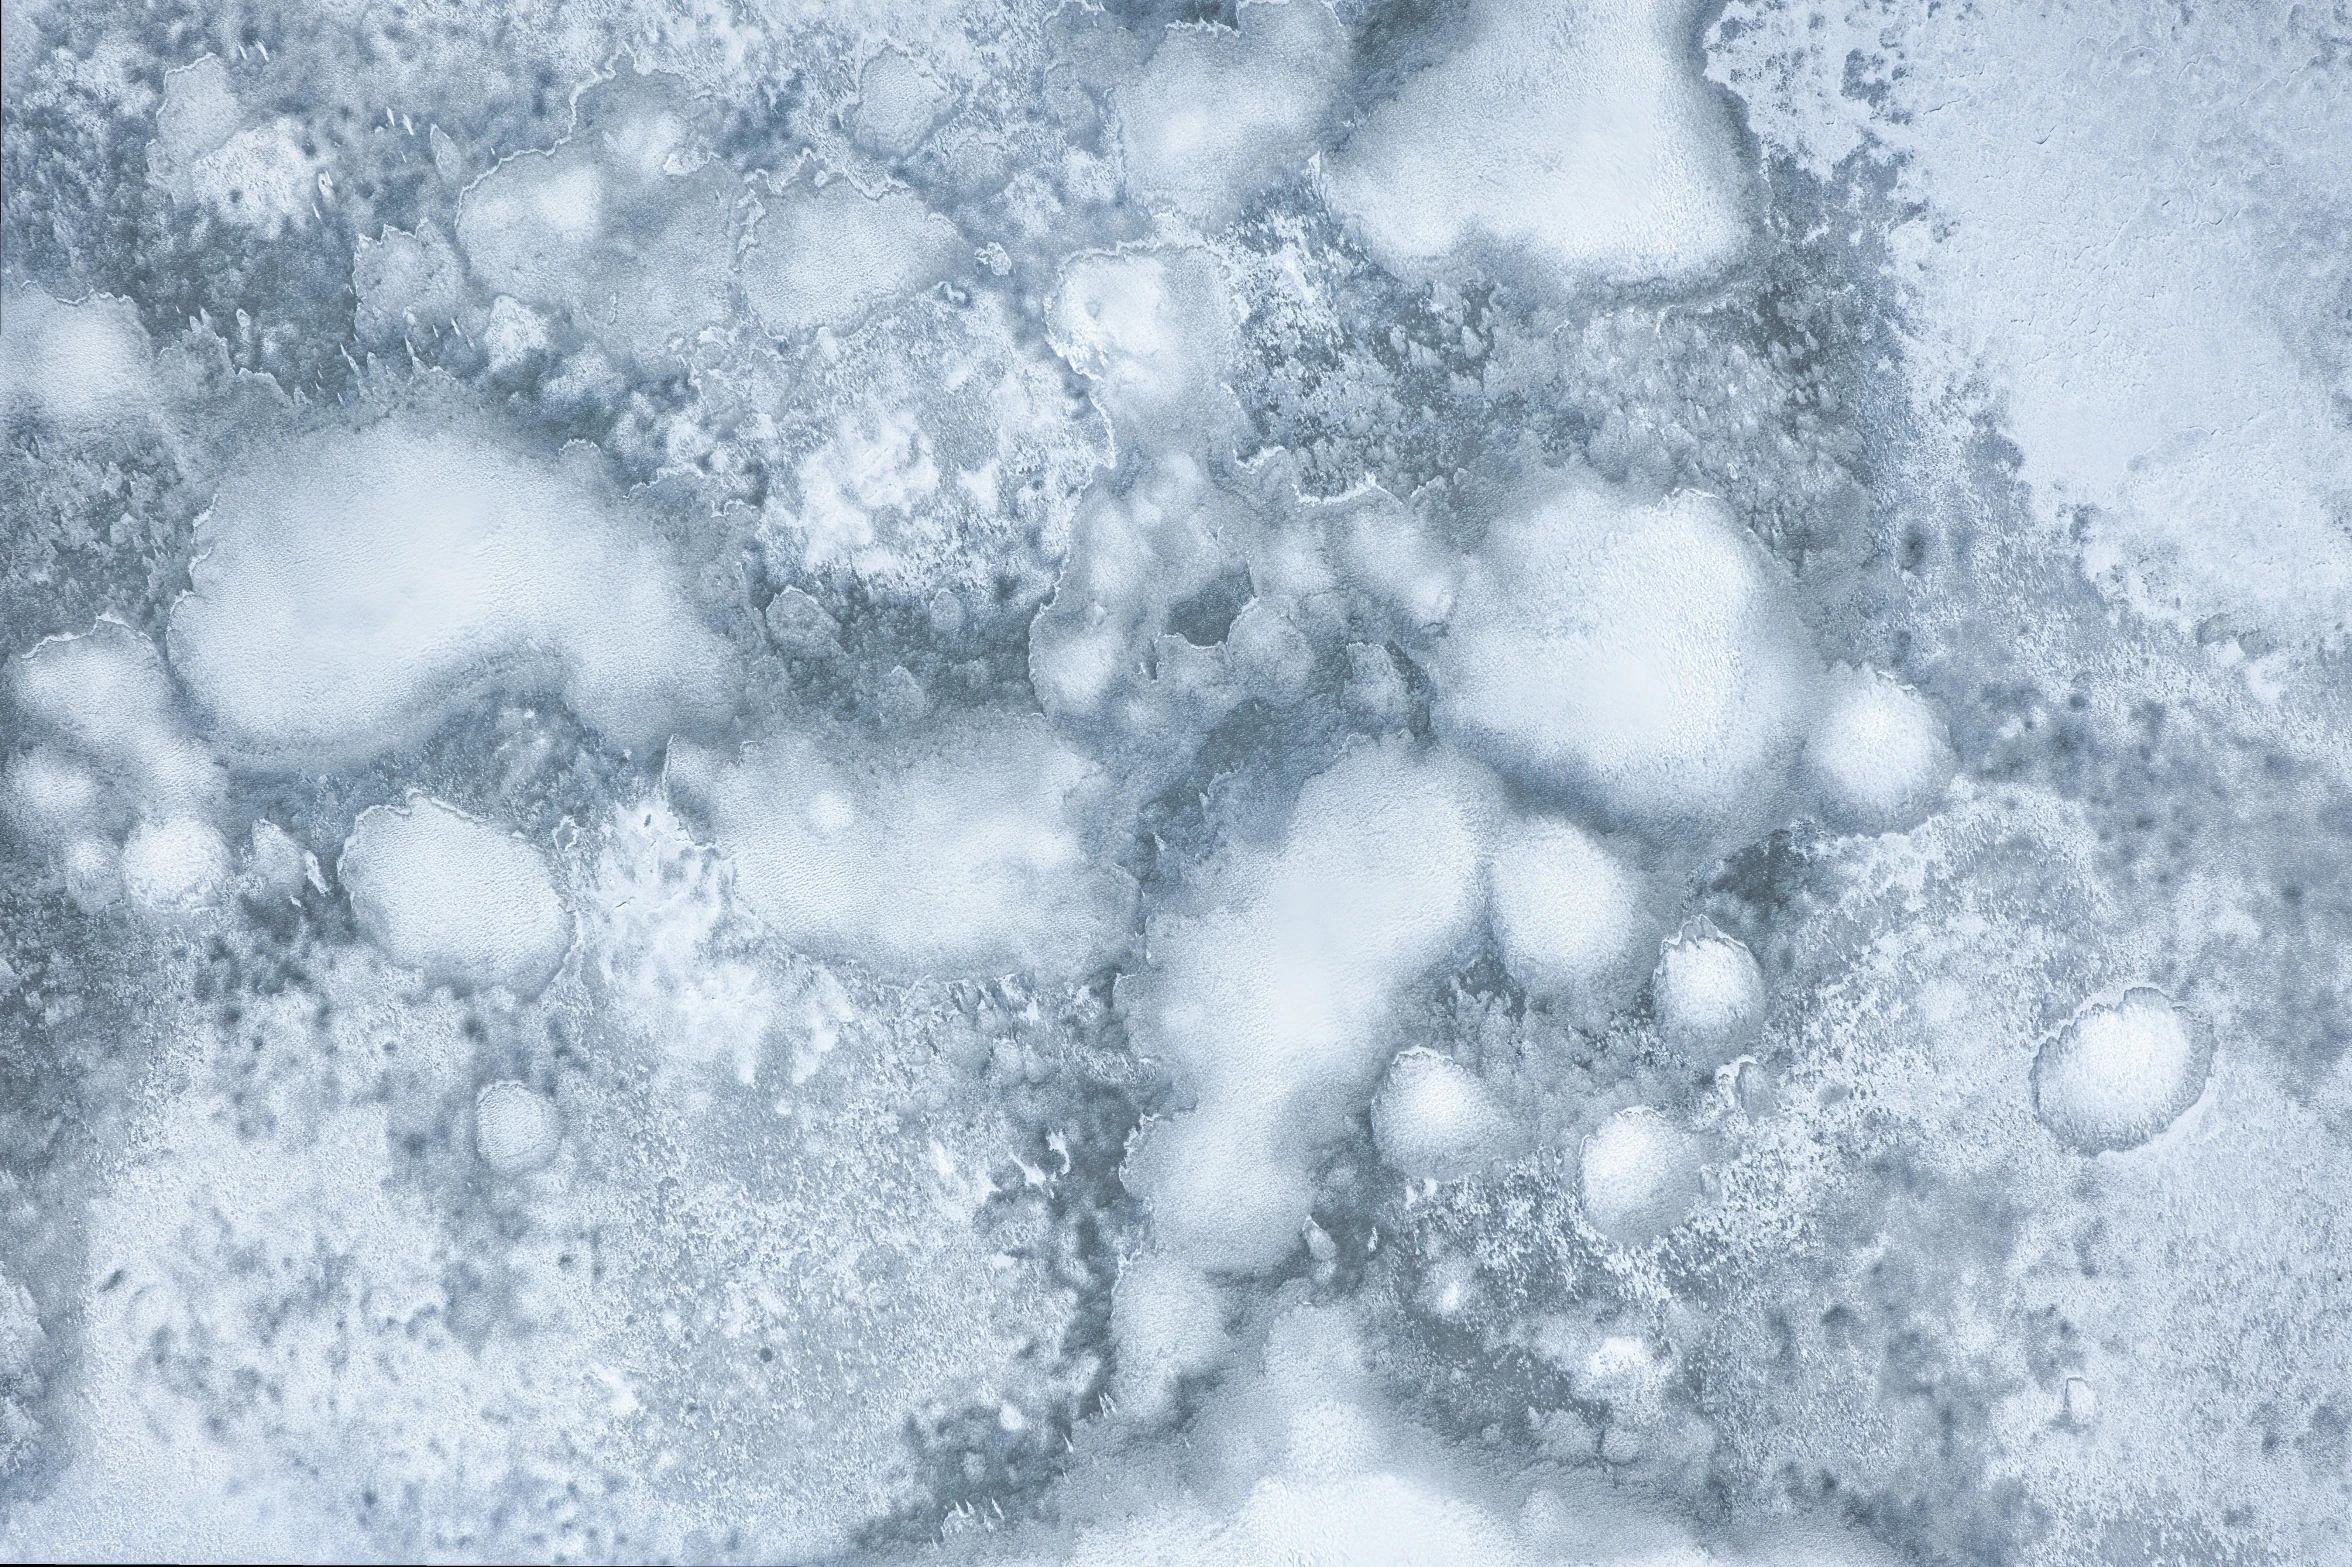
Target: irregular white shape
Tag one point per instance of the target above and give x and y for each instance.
(516, 335)
(1639, 656)
(875, 465)
(1273, 1004)
(199, 112)
(353, 591)
(81, 365)
(409, 283)
(1878, 752)
(2117, 1075)
(957, 854)
(617, 227)
(1434, 1119)
(1152, 329)
(1638, 1176)
(455, 898)
(263, 178)
(1575, 922)
(93, 872)
(1169, 1322)
(174, 865)
(1709, 994)
(106, 693)
(1222, 113)
(1573, 127)
(516, 1129)
(897, 104)
(274, 866)
(825, 257)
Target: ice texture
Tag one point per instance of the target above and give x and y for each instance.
(1176, 781)
(454, 898)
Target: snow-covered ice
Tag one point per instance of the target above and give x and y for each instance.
(1176, 781)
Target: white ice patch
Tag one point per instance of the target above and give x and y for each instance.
(1709, 994)
(199, 112)
(1638, 1175)
(1878, 752)
(1576, 922)
(2117, 1075)
(354, 591)
(267, 178)
(1575, 128)
(1153, 330)
(1220, 114)
(826, 256)
(898, 102)
(1636, 657)
(174, 865)
(516, 1129)
(2150, 295)
(952, 853)
(1435, 1120)
(625, 228)
(106, 695)
(82, 365)
(454, 898)
(1273, 1006)
(849, 487)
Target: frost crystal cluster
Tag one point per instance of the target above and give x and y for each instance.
(1166, 782)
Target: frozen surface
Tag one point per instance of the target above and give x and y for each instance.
(1177, 782)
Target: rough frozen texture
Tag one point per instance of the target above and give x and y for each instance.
(1524, 782)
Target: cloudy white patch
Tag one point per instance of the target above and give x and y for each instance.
(1310, 780)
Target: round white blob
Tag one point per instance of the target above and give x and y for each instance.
(1639, 1176)
(1436, 1120)
(1709, 994)
(174, 865)
(1573, 919)
(1878, 753)
(2118, 1075)
(1586, 136)
(515, 1130)
(456, 898)
(1639, 658)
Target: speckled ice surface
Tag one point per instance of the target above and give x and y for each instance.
(1321, 782)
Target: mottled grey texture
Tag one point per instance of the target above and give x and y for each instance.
(1343, 781)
